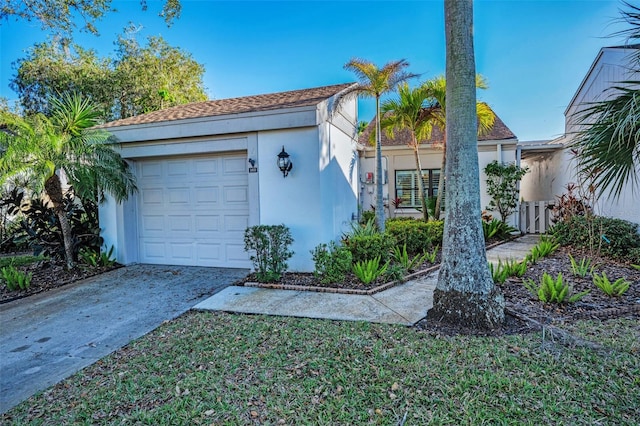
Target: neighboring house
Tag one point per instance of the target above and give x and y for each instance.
(551, 163)
(206, 171)
(399, 166)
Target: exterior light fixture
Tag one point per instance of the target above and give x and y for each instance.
(284, 163)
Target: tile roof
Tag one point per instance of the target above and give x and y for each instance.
(500, 131)
(266, 102)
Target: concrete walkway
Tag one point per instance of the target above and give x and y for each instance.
(404, 304)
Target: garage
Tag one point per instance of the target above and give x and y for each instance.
(193, 210)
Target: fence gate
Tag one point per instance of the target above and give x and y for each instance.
(535, 216)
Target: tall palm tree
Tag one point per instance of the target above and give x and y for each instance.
(409, 112)
(67, 142)
(437, 90)
(373, 82)
(465, 293)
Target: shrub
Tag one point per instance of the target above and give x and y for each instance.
(417, 235)
(495, 228)
(498, 272)
(611, 289)
(270, 244)
(553, 290)
(367, 247)
(582, 268)
(571, 204)
(407, 262)
(332, 262)
(367, 216)
(502, 187)
(368, 271)
(612, 237)
(96, 258)
(544, 248)
(15, 279)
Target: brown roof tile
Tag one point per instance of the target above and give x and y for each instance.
(266, 102)
(500, 131)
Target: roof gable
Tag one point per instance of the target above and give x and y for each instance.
(256, 103)
(499, 131)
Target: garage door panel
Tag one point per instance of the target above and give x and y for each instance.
(206, 168)
(236, 223)
(205, 195)
(234, 166)
(194, 211)
(207, 224)
(236, 194)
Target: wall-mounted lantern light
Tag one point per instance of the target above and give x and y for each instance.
(284, 163)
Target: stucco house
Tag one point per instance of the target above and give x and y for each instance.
(551, 163)
(206, 171)
(399, 170)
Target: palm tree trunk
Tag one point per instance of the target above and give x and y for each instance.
(423, 198)
(465, 293)
(53, 188)
(436, 213)
(379, 182)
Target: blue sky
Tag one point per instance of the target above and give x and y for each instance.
(533, 53)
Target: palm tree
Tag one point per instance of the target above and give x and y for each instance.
(67, 142)
(373, 83)
(437, 90)
(408, 112)
(465, 293)
(608, 146)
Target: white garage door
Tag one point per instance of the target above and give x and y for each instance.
(193, 211)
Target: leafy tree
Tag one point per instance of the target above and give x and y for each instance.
(154, 77)
(502, 187)
(608, 144)
(408, 112)
(52, 68)
(67, 142)
(138, 79)
(373, 82)
(60, 16)
(465, 293)
(437, 90)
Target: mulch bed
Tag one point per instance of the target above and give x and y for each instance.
(595, 305)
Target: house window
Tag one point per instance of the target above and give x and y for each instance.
(407, 186)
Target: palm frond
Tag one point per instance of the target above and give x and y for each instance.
(608, 144)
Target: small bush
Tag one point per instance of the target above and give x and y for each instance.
(368, 216)
(270, 244)
(409, 263)
(495, 228)
(15, 279)
(498, 272)
(544, 248)
(612, 237)
(369, 247)
(368, 271)
(96, 258)
(332, 262)
(553, 290)
(581, 269)
(611, 289)
(417, 235)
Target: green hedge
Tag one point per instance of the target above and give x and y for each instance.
(617, 238)
(416, 234)
(368, 247)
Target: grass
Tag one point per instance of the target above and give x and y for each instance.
(224, 369)
(19, 260)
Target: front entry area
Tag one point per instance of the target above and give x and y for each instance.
(193, 210)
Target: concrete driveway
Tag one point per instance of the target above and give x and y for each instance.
(48, 337)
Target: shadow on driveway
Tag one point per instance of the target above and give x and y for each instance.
(49, 336)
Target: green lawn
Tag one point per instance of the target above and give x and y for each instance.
(208, 368)
(19, 260)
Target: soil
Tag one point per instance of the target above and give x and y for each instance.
(48, 275)
(520, 303)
